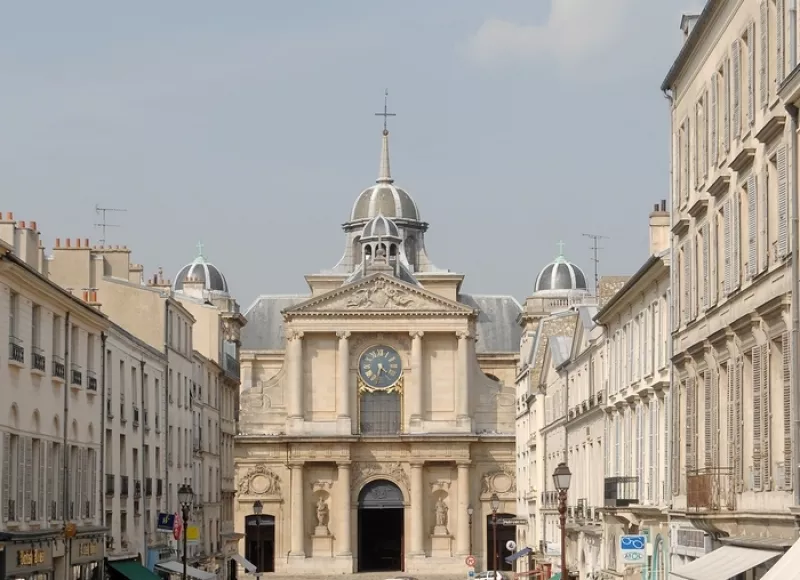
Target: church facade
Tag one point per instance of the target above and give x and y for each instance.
(377, 411)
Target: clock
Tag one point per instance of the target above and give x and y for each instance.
(380, 367)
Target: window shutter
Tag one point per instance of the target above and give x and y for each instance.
(713, 267)
(705, 232)
(780, 66)
(715, 434)
(6, 474)
(726, 99)
(736, 93)
(685, 173)
(85, 475)
(28, 478)
(618, 430)
(708, 429)
(763, 68)
(41, 506)
(788, 463)
(698, 120)
(62, 480)
(783, 203)
(731, 372)
(751, 73)
(695, 269)
(93, 484)
(20, 469)
(669, 425)
(727, 218)
(606, 455)
(757, 418)
(640, 451)
(51, 490)
(766, 421)
(704, 129)
(652, 455)
(712, 118)
(738, 467)
(687, 280)
(752, 226)
(736, 231)
(763, 242)
(691, 425)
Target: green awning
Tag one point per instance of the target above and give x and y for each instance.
(556, 576)
(132, 570)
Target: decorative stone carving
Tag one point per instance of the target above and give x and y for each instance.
(260, 480)
(343, 334)
(441, 516)
(292, 334)
(501, 481)
(380, 295)
(440, 485)
(392, 471)
(320, 485)
(322, 518)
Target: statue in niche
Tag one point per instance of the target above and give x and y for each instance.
(322, 518)
(441, 518)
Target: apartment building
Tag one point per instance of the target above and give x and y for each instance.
(636, 419)
(733, 446)
(52, 432)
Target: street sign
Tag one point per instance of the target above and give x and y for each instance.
(511, 545)
(633, 549)
(513, 522)
(470, 561)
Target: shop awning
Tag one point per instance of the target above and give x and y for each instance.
(723, 564)
(244, 563)
(519, 554)
(556, 576)
(174, 567)
(132, 570)
(788, 567)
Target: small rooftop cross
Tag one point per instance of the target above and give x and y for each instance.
(199, 249)
(386, 114)
(560, 248)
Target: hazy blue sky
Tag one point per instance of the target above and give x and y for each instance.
(249, 125)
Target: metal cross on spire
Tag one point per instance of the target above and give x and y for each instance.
(386, 114)
(560, 248)
(200, 249)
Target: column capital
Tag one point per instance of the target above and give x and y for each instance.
(417, 463)
(464, 334)
(343, 334)
(463, 463)
(292, 334)
(296, 464)
(344, 464)
(416, 333)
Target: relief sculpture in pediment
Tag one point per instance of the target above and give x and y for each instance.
(367, 471)
(260, 480)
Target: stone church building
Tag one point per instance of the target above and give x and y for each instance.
(377, 411)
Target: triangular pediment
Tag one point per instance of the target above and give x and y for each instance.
(379, 293)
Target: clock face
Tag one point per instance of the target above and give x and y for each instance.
(380, 367)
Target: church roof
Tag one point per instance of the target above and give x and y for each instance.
(497, 329)
(203, 271)
(559, 276)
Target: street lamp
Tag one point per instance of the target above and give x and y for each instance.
(495, 504)
(258, 508)
(561, 479)
(185, 498)
(470, 511)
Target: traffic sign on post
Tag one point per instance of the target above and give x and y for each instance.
(633, 549)
(470, 561)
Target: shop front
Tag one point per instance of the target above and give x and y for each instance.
(86, 557)
(29, 560)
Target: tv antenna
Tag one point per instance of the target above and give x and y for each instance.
(595, 247)
(102, 212)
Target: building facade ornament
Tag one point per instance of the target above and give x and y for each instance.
(364, 472)
(380, 295)
(260, 480)
(503, 480)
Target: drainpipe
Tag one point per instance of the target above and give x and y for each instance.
(795, 344)
(65, 466)
(792, 34)
(143, 430)
(104, 407)
(167, 388)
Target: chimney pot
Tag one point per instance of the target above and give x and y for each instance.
(77, 242)
(94, 296)
(21, 225)
(69, 242)
(663, 205)
(58, 242)
(33, 227)
(86, 296)
(86, 242)
(10, 216)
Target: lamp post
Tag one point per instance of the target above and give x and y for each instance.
(258, 508)
(470, 511)
(495, 504)
(185, 498)
(561, 479)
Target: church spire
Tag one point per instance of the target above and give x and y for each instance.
(385, 172)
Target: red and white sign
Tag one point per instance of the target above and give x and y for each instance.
(470, 561)
(177, 527)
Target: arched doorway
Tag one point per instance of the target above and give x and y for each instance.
(380, 527)
(260, 542)
(504, 534)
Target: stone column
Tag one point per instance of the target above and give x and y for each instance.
(343, 537)
(417, 510)
(343, 400)
(462, 519)
(462, 393)
(295, 372)
(414, 391)
(296, 546)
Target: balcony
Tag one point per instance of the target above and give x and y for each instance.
(38, 360)
(157, 422)
(197, 446)
(91, 380)
(159, 487)
(75, 375)
(148, 486)
(12, 510)
(549, 500)
(109, 412)
(16, 352)
(137, 488)
(59, 370)
(34, 512)
(135, 415)
(123, 486)
(231, 366)
(54, 510)
(109, 484)
(620, 492)
(710, 489)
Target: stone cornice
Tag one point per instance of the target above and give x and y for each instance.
(772, 129)
(743, 160)
(720, 185)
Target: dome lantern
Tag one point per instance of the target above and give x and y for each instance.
(560, 277)
(200, 275)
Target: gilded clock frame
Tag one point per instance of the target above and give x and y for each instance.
(395, 388)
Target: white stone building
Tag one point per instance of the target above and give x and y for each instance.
(52, 427)
(636, 419)
(734, 160)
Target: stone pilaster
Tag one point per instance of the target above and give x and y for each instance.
(462, 392)
(344, 421)
(414, 391)
(295, 379)
(343, 548)
(462, 518)
(416, 547)
(296, 546)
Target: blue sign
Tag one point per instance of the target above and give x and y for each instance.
(166, 522)
(633, 549)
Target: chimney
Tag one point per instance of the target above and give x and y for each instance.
(659, 228)
(688, 22)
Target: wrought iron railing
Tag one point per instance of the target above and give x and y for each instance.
(710, 489)
(38, 360)
(91, 380)
(75, 375)
(59, 370)
(123, 485)
(16, 351)
(620, 491)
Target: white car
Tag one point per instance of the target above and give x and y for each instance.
(491, 575)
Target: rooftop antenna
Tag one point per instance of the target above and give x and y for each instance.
(102, 211)
(595, 247)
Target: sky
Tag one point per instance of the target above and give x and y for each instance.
(249, 126)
